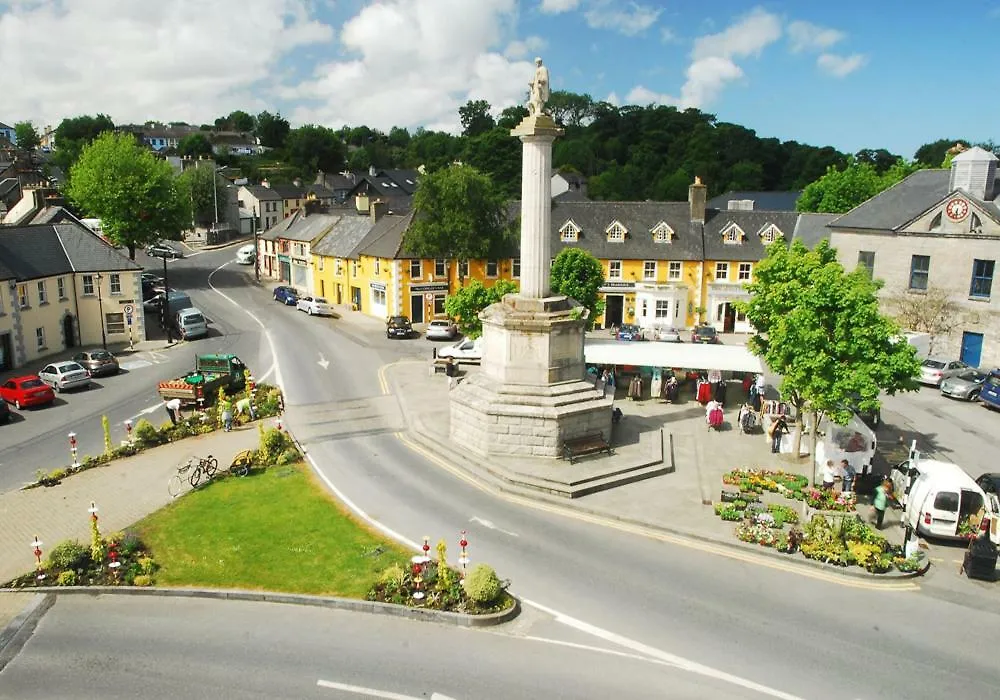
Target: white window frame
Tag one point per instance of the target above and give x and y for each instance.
(463, 269)
(569, 232)
(40, 338)
(61, 287)
(662, 308)
(721, 272)
(732, 235)
(616, 232)
(417, 265)
(355, 266)
(377, 294)
(378, 267)
(649, 270)
(338, 266)
(745, 272)
(770, 233)
(440, 267)
(515, 267)
(88, 282)
(115, 283)
(614, 269)
(43, 293)
(662, 233)
(675, 270)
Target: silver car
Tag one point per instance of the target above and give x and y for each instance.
(65, 375)
(668, 335)
(934, 370)
(965, 386)
(441, 329)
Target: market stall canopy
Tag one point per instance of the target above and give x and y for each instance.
(734, 358)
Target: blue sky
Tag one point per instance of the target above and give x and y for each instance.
(850, 74)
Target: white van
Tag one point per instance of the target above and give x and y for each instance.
(466, 350)
(939, 498)
(191, 323)
(246, 255)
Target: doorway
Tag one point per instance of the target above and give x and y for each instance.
(972, 348)
(614, 305)
(286, 271)
(356, 298)
(6, 353)
(69, 333)
(727, 314)
(416, 308)
(340, 294)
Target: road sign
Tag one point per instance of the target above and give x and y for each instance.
(429, 297)
(129, 309)
(128, 319)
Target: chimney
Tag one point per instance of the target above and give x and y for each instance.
(377, 210)
(697, 198)
(372, 171)
(265, 183)
(297, 182)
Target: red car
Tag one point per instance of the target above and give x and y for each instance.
(28, 390)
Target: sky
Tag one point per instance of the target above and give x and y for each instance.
(891, 74)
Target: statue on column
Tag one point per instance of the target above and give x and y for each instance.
(539, 94)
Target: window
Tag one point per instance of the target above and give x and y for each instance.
(982, 279)
(416, 269)
(378, 267)
(61, 288)
(319, 263)
(614, 269)
(378, 297)
(114, 323)
(516, 268)
(722, 271)
(662, 308)
(338, 266)
(975, 224)
(463, 269)
(935, 223)
(732, 234)
(770, 233)
(743, 274)
(662, 233)
(616, 232)
(673, 271)
(88, 285)
(115, 282)
(439, 304)
(569, 233)
(491, 268)
(440, 268)
(300, 249)
(644, 308)
(43, 294)
(677, 309)
(866, 259)
(22, 296)
(649, 270)
(354, 268)
(40, 338)
(946, 500)
(920, 266)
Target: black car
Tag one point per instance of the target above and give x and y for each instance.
(4, 412)
(990, 483)
(398, 327)
(705, 334)
(160, 250)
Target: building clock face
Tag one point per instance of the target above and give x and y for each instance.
(957, 209)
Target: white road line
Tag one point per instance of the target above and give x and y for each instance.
(372, 692)
(666, 657)
(599, 650)
(489, 525)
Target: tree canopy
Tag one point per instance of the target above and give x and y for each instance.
(195, 187)
(476, 118)
(74, 133)
(465, 304)
(27, 136)
(133, 193)
(311, 148)
(458, 213)
(821, 330)
(840, 190)
(195, 145)
(578, 274)
(272, 129)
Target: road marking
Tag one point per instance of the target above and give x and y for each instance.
(599, 650)
(323, 362)
(489, 524)
(134, 364)
(359, 690)
(666, 657)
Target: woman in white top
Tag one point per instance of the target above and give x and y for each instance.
(829, 474)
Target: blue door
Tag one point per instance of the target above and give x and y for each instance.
(972, 348)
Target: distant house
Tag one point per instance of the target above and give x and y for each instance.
(234, 143)
(393, 187)
(266, 204)
(755, 201)
(7, 133)
(340, 184)
(569, 187)
(160, 137)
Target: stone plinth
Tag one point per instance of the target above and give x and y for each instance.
(531, 394)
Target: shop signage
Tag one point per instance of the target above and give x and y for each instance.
(613, 286)
(432, 287)
(300, 261)
(378, 286)
(283, 258)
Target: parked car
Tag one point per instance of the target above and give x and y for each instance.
(151, 278)
(629, 331)
(465, 350)
(246, 255)
(4, 412)
(99, 363)
(705, 334)
(934, 370)
(965, 386)
(441, 329)
(398, 327)
(65, 375)
(26, 391)
(286, 295)
(191, 323)
(162, 250)
(668, 335)
(314, 306)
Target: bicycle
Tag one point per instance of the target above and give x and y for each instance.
(241, 463)
(192, 474)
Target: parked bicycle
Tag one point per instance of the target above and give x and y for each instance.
(192, 472)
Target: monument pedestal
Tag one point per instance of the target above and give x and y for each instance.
(531, 394)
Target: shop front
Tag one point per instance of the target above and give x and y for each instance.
(284, 268)
(619, 302)
(661, 305)
(427, 301)
(722, 311)
(300, 274)
(379, 303)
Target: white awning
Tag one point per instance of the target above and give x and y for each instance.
(734, 358)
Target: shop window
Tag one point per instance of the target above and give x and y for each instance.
(378, 297)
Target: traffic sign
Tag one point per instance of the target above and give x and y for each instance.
(429, 297)
(129, 309)
(128, 319)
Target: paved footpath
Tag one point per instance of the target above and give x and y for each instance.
(125, 491)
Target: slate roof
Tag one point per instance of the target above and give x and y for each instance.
(299, 227)
(320, 192)
(812, 228)
(37, 251)
(344, 235)
(55, 215)
(406, 179)
(8, 185)
(385, 239)
(4, 126)
(289, 191)
(6, 273)
(899, 204)
(339, 181)
(263, 193)
(751, 223)
(762, 201)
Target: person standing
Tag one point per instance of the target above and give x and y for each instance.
(880, 502)
(173, 407)
(245, 404)
(847, 473)
(829, 475)
(778, 428)
(226, 408)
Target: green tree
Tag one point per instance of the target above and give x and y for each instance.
(133, 193)
(821, 330)
(76, 132)
(240, 121)
(194, 145)
(569, 108)
(498, 154)
(195, 188)
(27, 136)
(465, 304)
(839, 191)
(579, 275)
(310, 148)
(512, 116)
(932, 154)
(459, 214)
(272, 129)
(476, 117)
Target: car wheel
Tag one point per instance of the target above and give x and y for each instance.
(974, 395)
(309, 311)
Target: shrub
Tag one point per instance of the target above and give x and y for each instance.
(290, 455)
(482, 585)
(69, 554)
(392, 577)
(146, 434)
(129, 543)
(273, 443)
(66, 578)
(142, 580)
(147, 566)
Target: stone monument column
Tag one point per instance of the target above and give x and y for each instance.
(537, 134)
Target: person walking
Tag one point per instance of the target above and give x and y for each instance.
(847, 473)
(173, 407)
(778, 428)
(226, 408)
(880, 502)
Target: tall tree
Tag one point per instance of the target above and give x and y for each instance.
(879, 158)
(272, 129)
(133, 193)
(195, 188)
(27, 136)
(459, 214)
(569, 108)
(466, 303)
(239, 120)
(498, 154)
(839, 191)
(934, 313)
(476, 117)
(194, 145)
(932, 154)
(512, 116)
(578, 274)
(310, 148)
(821, 330)
(74, 133)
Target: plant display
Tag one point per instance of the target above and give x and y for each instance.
(481, 592)
(760, 480)
(755, 532)
(70, 563)
(782, 514)
(830, 500)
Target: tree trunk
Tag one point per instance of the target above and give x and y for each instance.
(814, 437)
(799, 427)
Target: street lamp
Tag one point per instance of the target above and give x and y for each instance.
(100, 306)
(165, 301)
(256, 250)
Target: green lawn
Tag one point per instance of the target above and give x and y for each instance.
(277, 530)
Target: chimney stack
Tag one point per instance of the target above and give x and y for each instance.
(698, 199)
(377, 210)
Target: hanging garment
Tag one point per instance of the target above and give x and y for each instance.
(704, 392)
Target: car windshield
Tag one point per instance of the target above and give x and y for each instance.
(31, 383)
(707, 330)
(193, 318)
(100, 355)
(320, 300)
(442, 324)
(933, 364)
(399, 321)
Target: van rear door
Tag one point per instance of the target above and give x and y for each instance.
(939, 516)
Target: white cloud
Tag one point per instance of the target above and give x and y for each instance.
(628, 19)
(612, 99)
(555, 7)
(806, 36)
(523, 48)
(183, 59)
(746, 37)
(840, 66)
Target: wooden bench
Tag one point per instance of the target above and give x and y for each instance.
(441, 364)
(589, 444)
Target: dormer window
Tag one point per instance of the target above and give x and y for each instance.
(935, 223)
(769, 234)
(616, 232)
(570, 232)
(732, 235)
(662, 233)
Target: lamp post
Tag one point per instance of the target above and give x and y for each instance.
(100, 306)
(165, 302)
(256, 247)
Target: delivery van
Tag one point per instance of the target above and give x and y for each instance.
(938, 497)
(191, 323)
(246, 255)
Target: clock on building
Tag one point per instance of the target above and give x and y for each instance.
(957, 209)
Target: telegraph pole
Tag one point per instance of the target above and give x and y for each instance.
(256, 249)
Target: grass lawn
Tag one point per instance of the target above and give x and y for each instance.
(277, 530)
